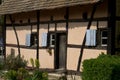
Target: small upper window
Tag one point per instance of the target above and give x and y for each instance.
(52, 40)
(104, 38)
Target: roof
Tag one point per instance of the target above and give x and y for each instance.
(17, 6)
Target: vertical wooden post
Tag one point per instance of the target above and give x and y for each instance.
(55, 48)
(111, 26)
(48, 27)
(38, 21)
(67, 25)
(48, 31)
(4, 35)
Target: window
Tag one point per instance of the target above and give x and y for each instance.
(104, 38)
(34, 39)
(31, 39)
(96, 38)
(52, 40)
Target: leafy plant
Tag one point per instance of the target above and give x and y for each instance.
(32, 62)
(2, 64)
(15, 62)
(37, 64)
(105, 67)
(11, 75)
(22, 74)
(18, 71)
(38, 75)
(49, 51)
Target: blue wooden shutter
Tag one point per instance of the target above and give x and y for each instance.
(44, 39)
(91, 38)
(88, 40)
(28, 39)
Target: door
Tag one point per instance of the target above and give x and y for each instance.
(61, 51)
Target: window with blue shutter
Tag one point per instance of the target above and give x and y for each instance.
(31, 39)
(28, 40)
(91, 37)
(44, 39)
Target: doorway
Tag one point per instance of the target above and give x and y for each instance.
(60, 51)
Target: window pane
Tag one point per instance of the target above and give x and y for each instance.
(53, 36)
(104, 41)
(53, 42)
(104, 33)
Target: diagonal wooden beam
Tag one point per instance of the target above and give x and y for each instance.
(84, 40)
(10, 17)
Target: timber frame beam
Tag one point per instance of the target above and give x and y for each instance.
(38, 21)
(111, 26)
(18, 44)
(88, 27)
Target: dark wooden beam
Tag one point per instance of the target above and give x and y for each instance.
(60, 21)
(55, 49)
(84, 40)
(38, 23)
(69, 46)
(4, 35)
(18, 44)
(67, 24)
(111, 26)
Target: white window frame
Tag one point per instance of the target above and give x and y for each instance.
(52, 39)
(103, 38)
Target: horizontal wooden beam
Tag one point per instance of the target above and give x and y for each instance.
(69, 46)
(57, 21)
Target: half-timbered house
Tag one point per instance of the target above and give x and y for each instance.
(60, 33)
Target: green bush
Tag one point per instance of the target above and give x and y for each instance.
(35, 63)
(32, 62)
(13, 62)
(105, 67)
(11, 75)
(23, 74)
(39, 75)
